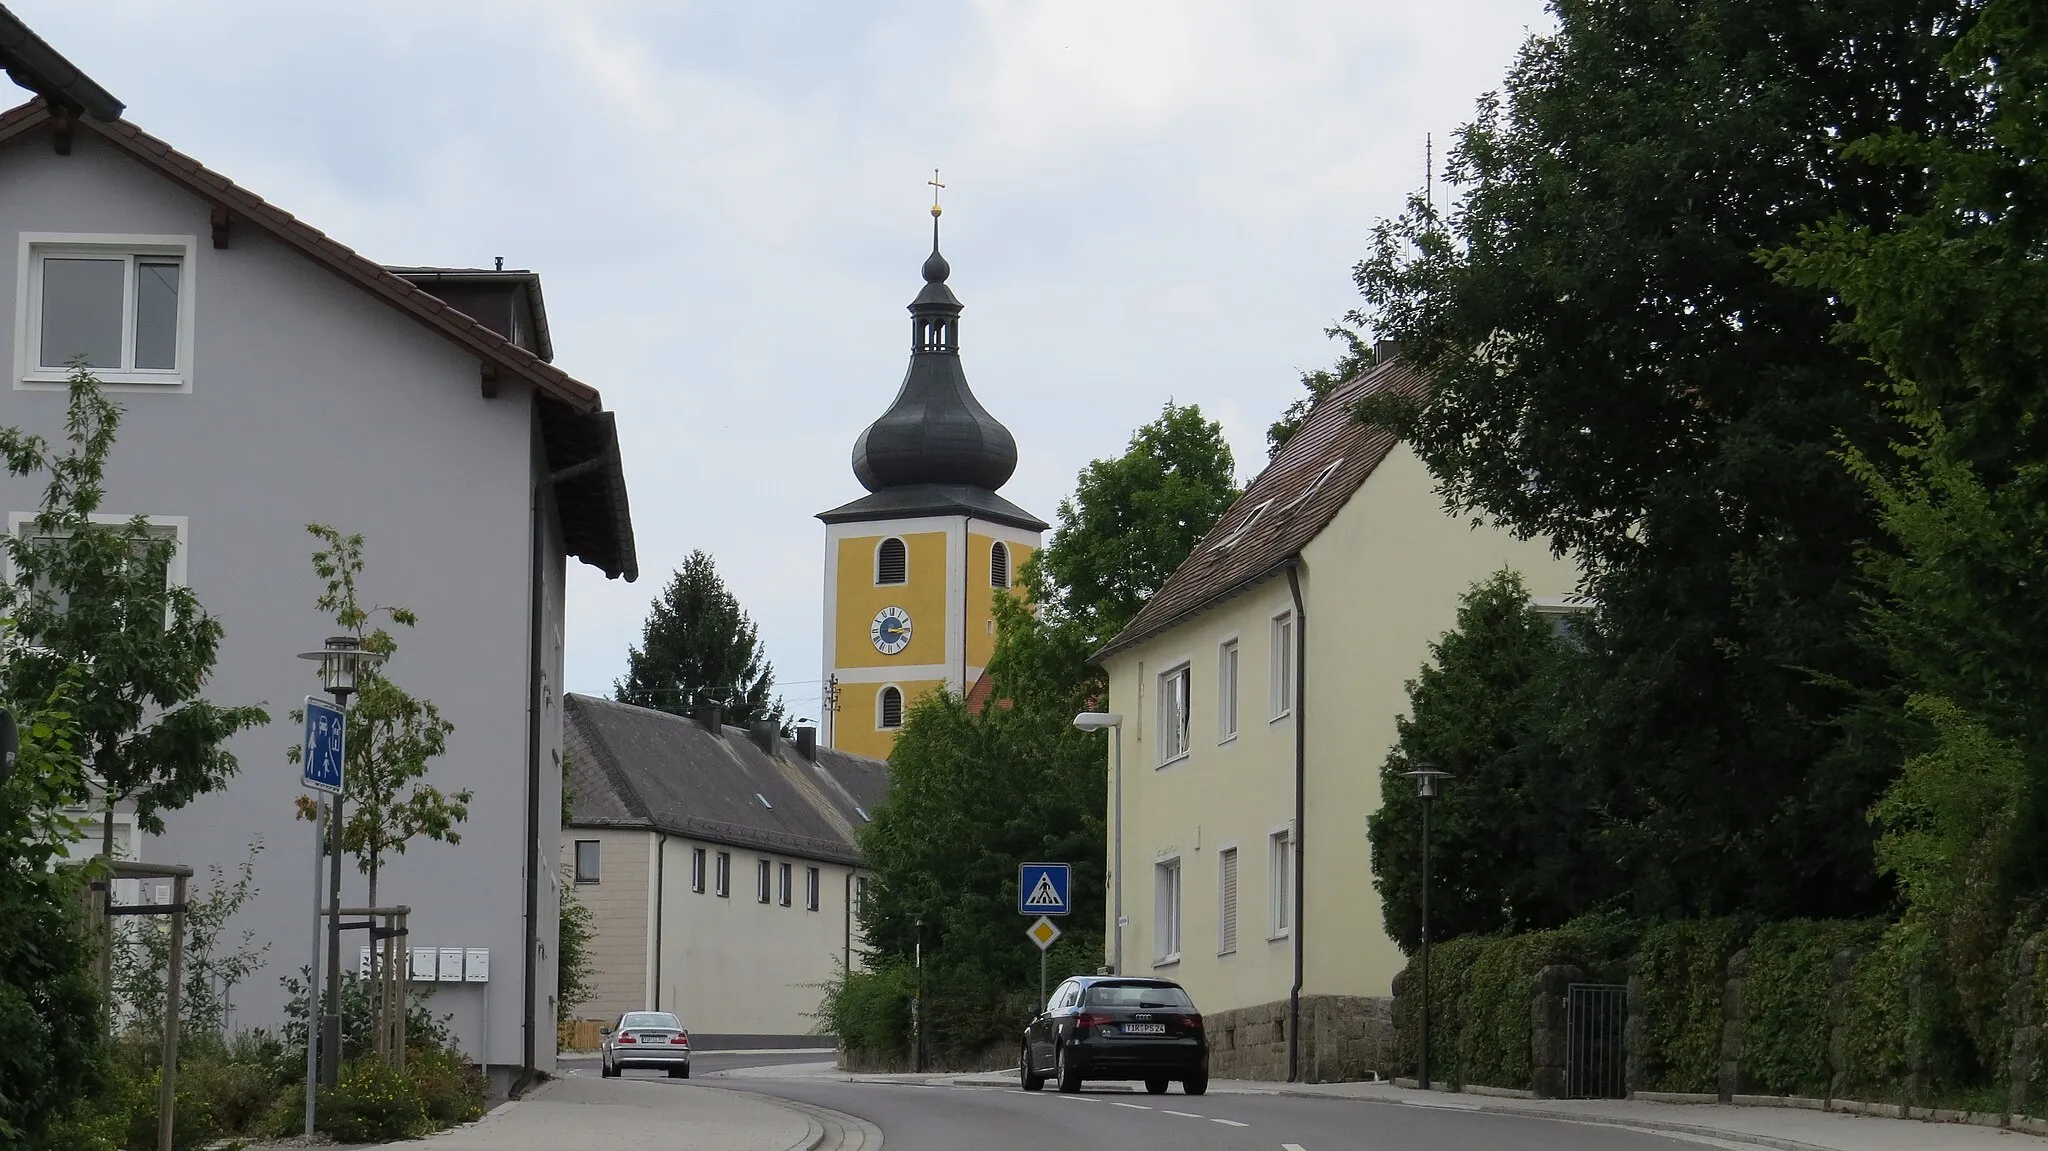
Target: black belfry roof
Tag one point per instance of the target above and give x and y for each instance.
(936, 451)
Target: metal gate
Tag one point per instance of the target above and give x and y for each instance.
(1595, 1050)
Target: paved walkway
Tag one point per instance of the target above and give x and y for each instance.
(1783, 1128)
(619, 1115)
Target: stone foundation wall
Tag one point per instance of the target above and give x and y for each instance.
(1343, 1037)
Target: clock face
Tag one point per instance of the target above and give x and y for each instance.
(890, 632)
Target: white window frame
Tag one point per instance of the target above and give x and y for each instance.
(1229, 697)
(697, 870)
(1176, 733)
(812, 882)
(785, 875)
(1280, 675)
(875, 569)
(722, 879)
(1229, 896)
(1009, 576)
(1168, 904)
(1280, 882)
(902, 707)
(22, 524)
(30, 375)
(764, 884)
(596, 860)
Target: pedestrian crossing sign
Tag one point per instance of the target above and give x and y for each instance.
(1044, 889)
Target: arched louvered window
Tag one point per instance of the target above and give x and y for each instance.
(999, 565)
(892, 562)
(889, 707)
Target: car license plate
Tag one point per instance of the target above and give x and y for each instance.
(1144, 1029)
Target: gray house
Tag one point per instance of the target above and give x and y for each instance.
(719, 865)
(273, 378)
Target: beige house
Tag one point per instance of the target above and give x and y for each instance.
(718, 864)
(1258, 691)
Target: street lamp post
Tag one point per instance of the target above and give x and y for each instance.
(1096, 721)
(343, 664)
(1425, 778)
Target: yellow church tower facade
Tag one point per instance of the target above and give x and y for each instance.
(912, 568)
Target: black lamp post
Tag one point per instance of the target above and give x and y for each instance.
(1425, 778)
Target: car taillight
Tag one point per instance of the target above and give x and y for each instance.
(627, 1039)
(1194, 1022)
(681, 1041)
(1085, 1021)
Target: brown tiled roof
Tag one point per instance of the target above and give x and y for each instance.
(596, 520)
(1321, 465)
(633, 767)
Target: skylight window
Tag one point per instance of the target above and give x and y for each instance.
(764, 801)
(863, 813)
(1244, 527)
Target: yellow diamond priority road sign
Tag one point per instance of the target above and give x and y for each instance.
(1043, 933)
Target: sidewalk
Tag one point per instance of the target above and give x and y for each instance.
(580, 1111)
(1782, 1128)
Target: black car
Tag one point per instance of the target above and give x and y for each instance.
(1117, 1027)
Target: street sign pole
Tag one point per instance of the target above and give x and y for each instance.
(313, 969)
(321, 760)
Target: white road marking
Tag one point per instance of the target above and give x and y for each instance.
(1132, 1106)
(1292, 1147)
(1182, 1114)
(1230, 1122)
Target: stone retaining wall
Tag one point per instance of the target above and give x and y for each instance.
(1343, 1037)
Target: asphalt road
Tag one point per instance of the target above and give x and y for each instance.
(916, 1118)
(706, 1061)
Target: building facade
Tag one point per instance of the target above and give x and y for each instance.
(1259, 690)
(718, 864)
(270, 378)
(911, 569)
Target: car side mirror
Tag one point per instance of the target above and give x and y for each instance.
(604, 1031)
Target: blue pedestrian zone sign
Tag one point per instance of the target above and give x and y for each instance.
(325, 746)
(1044, 889)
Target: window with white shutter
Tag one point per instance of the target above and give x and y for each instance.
(1226, 942)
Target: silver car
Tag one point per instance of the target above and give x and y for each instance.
(646, 1039)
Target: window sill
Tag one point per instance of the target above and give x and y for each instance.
(1168, 961)
(1227, 740)
(1226, 954)
(48, 381)
(1181, 758)
(1279, 937)
(1288, 714)
(586, 883)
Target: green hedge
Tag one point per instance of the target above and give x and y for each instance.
(1787, 1002)
(1681, 973)
(1494, 1050)
(1450, 967)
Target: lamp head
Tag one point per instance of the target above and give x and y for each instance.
(1097, 720)
(1426, 779)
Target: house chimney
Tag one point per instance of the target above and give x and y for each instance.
(712, 718)
(807, 742)
(1385, 350)
(764, 733)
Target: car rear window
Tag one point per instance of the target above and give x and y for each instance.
(650, 1019)
(1137, 995)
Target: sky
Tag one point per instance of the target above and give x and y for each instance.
(727, 204)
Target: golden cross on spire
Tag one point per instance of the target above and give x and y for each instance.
(934, 182)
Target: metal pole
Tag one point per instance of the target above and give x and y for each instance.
(1041, 979)
(330, 1023)
(1423, 1078)
(1116, 966)
(917, 1007)
(167, 1086)
(313, 969)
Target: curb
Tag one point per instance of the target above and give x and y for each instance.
(1661, 1125)
(827, 1130)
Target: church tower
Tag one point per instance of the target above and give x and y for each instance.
(912, 568)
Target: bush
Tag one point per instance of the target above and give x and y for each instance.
(1450, 966)
(870, 1011)
(450, 1089)
(1787, 1000)
(371, 1103)
(237, 1095)
(1494, 1046)
(1681, 972)
(192, 1123)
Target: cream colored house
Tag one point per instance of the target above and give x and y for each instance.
(718, 864)
(1258, 691)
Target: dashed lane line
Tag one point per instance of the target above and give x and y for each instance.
(1182, 1114)
(1132, 1106)
(1230, 1122)
(1292, 1147)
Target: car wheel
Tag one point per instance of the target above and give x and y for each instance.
(678, 1073)
(1069, 1079)
(1155, 1086)
(1025, 1078)
(1195, 1084)
(606, 1069)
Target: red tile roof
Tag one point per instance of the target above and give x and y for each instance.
(1316, 473)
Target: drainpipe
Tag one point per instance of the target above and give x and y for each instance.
(660, 898)
(535, 654)
(1300, 813)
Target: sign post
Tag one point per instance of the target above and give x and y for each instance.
(320, 768)
(1044, 889)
